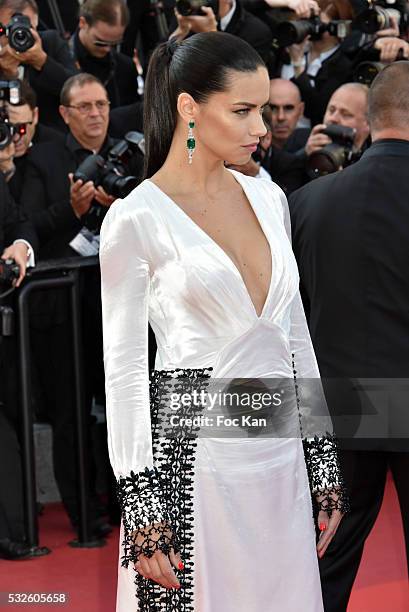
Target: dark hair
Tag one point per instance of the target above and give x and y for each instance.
(27, 95)
(78, 80)
(199, 66)
(388, 99)
(19, 5)
(112, 12)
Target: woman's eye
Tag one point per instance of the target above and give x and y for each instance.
(242, 111)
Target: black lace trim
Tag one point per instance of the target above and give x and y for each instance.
(324, 472)
(157, 504)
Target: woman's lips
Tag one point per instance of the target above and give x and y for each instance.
(251, 147)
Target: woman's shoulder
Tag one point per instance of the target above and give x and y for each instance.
(130, 217)
(136, 207)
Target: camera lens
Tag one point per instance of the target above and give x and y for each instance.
(365, 72)
(325, 161)
(21, 40)
(5, 135)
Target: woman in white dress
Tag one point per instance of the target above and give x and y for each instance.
(214, 523)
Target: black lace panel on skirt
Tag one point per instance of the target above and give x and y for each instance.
(157, 504)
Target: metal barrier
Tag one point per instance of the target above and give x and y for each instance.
(65, 275)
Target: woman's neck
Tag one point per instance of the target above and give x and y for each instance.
(205, 175)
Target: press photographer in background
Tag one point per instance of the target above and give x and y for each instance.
(316, 60)
(24, 117)
(224, 15)
(385, 45)
(343, 136)
(21, 239)
(43, 58)
(95, 44)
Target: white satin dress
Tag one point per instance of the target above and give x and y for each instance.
(253, 542)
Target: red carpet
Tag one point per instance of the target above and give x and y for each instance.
(88, 576)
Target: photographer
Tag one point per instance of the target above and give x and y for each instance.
(24, 117)
(318, 66)
(16, 230)
(348, 106)
(385, 46)
(231, 18)
(47, 64)
(59, 208)
(100, 30)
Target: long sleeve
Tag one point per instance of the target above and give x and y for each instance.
(125, 301)
(316, 429)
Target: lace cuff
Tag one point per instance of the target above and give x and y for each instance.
(320, 450)
(321, 458)
(145, 516)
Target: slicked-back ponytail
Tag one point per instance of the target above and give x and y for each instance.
(199, 66)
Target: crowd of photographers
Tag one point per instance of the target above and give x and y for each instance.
(71, 142)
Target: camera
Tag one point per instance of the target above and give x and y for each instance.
(9, 272)
(110, 173)
(7, 129)
(9, 92)
(294, 32)
(375, 18)
(18, 32)
(189, 8)
(365, 72)
(334, 155)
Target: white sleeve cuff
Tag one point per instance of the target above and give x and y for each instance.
(30, 254)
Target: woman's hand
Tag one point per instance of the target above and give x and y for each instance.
(327, 526)
(158, 567)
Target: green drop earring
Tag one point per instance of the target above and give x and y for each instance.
(191, 142)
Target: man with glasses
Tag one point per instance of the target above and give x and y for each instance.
(59, 209)
(94, 45)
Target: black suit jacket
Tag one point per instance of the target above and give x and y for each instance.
(42, 134)
(48, 81)
(350, 238)
(117, 72)
(254, 31)
(334, 72)
(13, 221)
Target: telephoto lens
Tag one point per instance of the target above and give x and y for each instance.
(375, 18)
(333, 156)
(365, 72)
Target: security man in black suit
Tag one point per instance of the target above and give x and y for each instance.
(46, 65)
(350, 237)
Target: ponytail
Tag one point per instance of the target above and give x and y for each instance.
(159, 113)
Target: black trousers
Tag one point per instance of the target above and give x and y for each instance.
(53, 364)
(365, 476)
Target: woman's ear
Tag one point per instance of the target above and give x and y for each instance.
(187, 107)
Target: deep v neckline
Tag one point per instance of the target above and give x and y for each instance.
(225, 255)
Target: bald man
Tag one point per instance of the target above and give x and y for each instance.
(287, 108)
(350, 238)
(347, 106)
